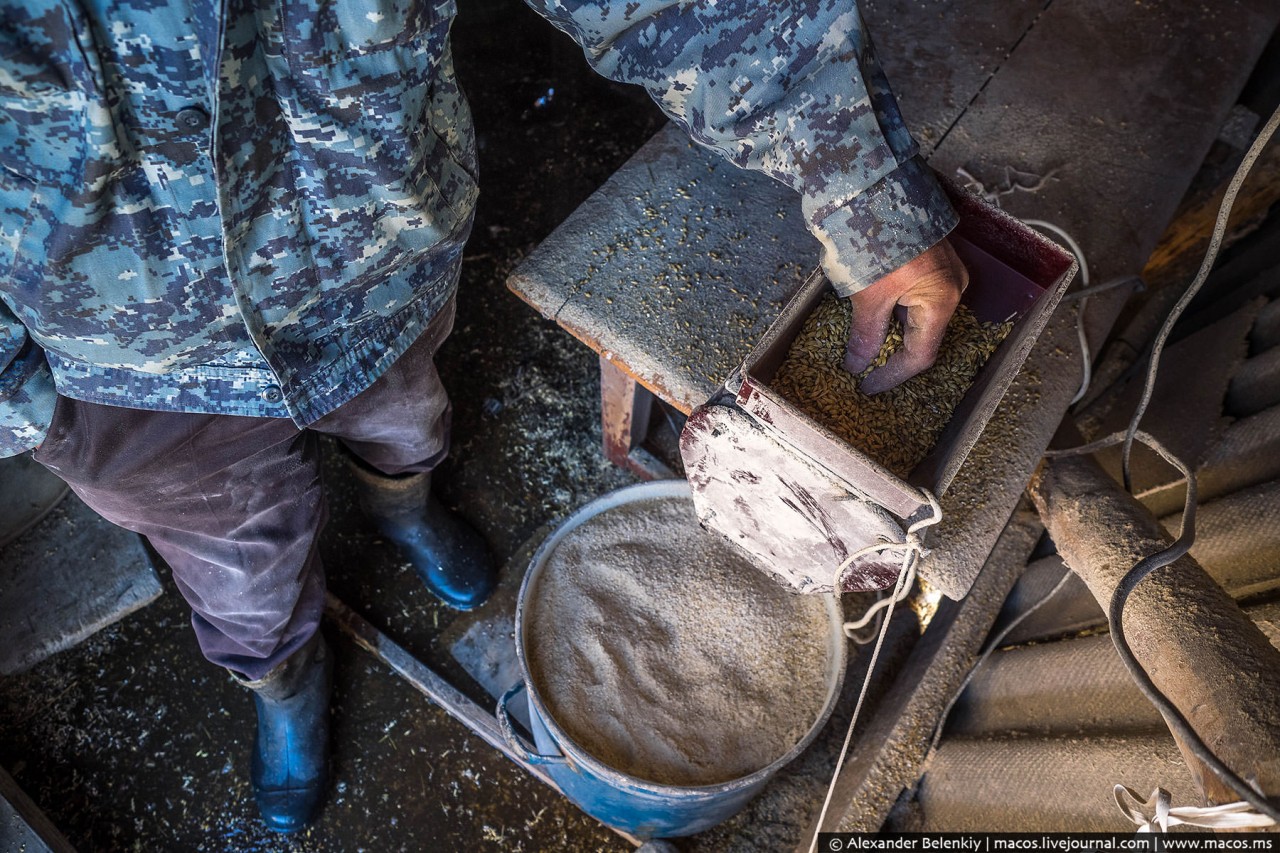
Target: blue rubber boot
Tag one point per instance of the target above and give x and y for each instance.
(290, 769)
(449, 555)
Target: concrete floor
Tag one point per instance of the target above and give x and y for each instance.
(131, 741)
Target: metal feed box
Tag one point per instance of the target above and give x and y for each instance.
(798, 499)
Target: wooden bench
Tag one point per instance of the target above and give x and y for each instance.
(670, 271)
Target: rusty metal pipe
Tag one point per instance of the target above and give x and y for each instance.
(1196, 645)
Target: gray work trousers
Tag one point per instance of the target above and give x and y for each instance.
(234, 504)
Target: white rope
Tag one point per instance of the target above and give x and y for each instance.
(875, 610)
(993, 196)
(1157, 813)
(1086, 356)
(912, 549)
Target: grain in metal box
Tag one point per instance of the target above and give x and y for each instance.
(798, 499)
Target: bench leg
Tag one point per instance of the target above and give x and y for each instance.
(625, 406)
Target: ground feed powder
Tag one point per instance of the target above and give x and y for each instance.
(664, 654)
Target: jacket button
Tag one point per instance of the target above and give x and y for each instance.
(272, 394)
(192, 119)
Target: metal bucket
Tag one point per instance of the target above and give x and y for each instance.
(644, 809)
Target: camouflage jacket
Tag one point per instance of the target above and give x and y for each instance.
(252, 207)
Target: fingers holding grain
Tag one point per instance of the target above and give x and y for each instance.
(897, 427)
(926, 326)
(869, 324)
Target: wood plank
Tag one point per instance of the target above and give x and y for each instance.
(435, 687)
(23, 826)
(1119, 103)
(674, 268)
(68, 577)
(938, 56)
(28, 492)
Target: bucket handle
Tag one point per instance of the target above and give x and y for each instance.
(519, 745)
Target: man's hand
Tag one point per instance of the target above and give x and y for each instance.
(925, 293)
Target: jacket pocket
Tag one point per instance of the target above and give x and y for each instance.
(43, 137)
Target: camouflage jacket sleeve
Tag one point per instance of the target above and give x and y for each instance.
(27, 395)
(790, 89)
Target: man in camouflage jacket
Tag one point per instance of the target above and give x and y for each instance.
(226, 227)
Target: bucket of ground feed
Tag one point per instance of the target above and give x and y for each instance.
(800, 469)
(667, 678)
